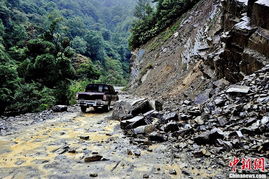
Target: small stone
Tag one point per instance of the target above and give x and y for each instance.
(171, 127)
(154, 136)
(219, 101)
(173, 172)
(93, 158)
(137, 153)
(185, 173)
(265, 120)
(170, 116)
(145, 176)
(84, 137)
(187, 102)
(238, 89)
(93, 175)
(129, 152)
(199, 120)
(239, 133)
(222, 121)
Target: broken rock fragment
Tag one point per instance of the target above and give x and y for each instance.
(238, 89)
(170, 116)
(209, 137)
(93, 158)
(171, 127)
(141, 107)
(133, 123)
(59, 108)
(154, 136)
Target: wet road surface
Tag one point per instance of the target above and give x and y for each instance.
(57, 149)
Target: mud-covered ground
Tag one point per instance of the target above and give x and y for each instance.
(57, 148)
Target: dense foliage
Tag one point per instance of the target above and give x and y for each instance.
(153, 16)
(39, 46)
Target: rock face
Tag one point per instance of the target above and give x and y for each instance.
(260, 14)
(247, 42)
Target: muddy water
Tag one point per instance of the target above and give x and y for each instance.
(39, 152)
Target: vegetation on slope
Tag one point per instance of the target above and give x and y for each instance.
(40, 39)
(153, 17)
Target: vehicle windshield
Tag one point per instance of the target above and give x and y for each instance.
(96, 88)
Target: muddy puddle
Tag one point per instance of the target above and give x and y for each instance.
(57, 148)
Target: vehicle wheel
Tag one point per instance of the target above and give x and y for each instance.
(107, 107)
(83, 109)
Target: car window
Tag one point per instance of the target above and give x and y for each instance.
(94, 88)
(106, 89)
(100, 88)
(112, 89)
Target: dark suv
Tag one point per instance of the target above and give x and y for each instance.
(97, 96)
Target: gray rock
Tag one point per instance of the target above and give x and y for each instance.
(199, 120)
(238, 89)
(93, 175)
(156, 105)
(59, 108)
(144, 129)
(222, 121)
(84, 137)
(263, 100)
(133, 123)
(121, 110)
(154, 136)
(145, 176)
(173, 172)
(170, 116)
(183, 132)
(171, 127)
(93, 158)
(265, 120)
(209, 137)
(141, 107)
(219, 101)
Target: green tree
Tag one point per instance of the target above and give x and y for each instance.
(8, 85)
(79, 44)
(143, 9)
(95, 45)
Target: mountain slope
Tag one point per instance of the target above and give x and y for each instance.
(170, 63)
(214, 44)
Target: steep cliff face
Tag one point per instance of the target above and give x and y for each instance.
(172, 63)
(247, 41)
(215, 43)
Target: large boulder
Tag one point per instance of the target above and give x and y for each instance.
(140, 107)
(122, 110)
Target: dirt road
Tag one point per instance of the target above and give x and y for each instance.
(57, 149)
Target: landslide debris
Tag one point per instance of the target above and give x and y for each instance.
(234, 122)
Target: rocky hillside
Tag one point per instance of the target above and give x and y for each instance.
(216, 43)
(233, 123)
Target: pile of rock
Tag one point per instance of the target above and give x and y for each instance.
(234, 120)
(9, 124)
